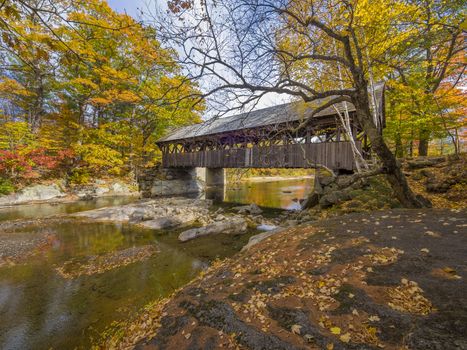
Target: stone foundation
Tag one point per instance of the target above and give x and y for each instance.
(158, 181)
(331, 190)
(215, 177)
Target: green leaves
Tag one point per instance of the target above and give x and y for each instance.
(89, 78)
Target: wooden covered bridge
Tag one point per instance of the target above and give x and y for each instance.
(274, 137)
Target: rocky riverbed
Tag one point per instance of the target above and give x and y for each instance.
(170, 213)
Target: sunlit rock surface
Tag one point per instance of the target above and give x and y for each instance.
(156, 214)
(233, 225)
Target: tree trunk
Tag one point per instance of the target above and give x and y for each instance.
(399, 150)
(392, 168)
(424, 139)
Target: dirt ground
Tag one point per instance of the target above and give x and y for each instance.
(393, 279)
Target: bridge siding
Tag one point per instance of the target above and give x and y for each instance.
(334, 155)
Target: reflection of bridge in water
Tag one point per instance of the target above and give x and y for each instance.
(283, 136)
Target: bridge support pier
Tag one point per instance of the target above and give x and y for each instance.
(215, 181)
(169, 182)
(215, 177)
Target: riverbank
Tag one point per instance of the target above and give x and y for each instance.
(57, 192)
(392, 279)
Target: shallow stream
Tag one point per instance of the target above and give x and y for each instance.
(40, 309)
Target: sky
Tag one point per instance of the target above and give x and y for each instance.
(134, 7)
(128, 6)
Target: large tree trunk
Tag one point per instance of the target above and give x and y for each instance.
(393, 170)
(424, 139)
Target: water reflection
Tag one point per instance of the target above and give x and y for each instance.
(285, 194)
(39, 309)
(216, 194)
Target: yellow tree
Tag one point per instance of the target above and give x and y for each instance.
(244, 49)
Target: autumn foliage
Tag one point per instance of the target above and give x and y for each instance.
(84, 92)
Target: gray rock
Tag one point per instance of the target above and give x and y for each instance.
(141, 214)
(163, 223)
(310, 201)
(120, 188)
(291, 223)
(33, 193)
(260, 237)
(99, 191)
(344, 181)
(332, 198)
(248, 209)
(219, 217)
(163, 213)
(325, 180)
(231, 226)
(419, 163)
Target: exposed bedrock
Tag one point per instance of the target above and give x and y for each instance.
(156, 214)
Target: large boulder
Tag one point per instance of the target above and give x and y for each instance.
(155, 214)
(311, 201)
(336, 197)
(33, 193)
(231, 226)
(168, 222)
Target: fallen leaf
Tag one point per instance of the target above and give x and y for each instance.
(424, 250)
(372, 331)
(449, 270)
(373, 318)
(345, 337)
(335, 330)
(296, 329)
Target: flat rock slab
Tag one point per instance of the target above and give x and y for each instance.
(156, 214)
(229, 226)
(389, 279)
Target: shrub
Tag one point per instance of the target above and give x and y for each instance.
(79, 176)
(6, 187)
(14, 165)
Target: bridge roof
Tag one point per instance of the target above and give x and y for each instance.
(283, 113)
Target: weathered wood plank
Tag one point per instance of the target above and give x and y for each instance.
(334, 155)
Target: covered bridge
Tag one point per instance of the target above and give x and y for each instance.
(273, 137)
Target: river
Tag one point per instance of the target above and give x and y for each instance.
(40, 309)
